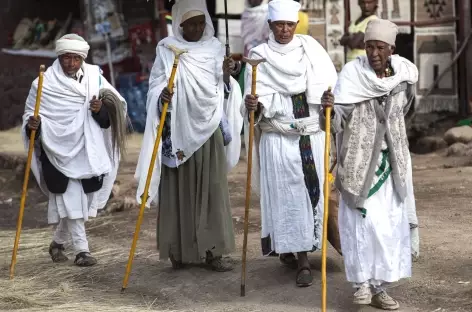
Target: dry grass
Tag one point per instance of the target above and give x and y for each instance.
(41, 286)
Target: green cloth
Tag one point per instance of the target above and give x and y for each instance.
(194, 206)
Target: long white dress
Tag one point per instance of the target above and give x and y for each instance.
(376, 248)
(286, 210)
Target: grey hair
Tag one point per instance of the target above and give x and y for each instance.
(118, 119)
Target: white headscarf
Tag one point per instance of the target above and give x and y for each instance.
(381, 30)
(284, 10)
(181, 8)
(72, 43)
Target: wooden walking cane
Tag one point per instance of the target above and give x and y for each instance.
(326, 192)
(19, 223)
(145, 196)
(254, 64)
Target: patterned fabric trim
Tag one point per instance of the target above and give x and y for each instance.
(312, 183)
(382, 174)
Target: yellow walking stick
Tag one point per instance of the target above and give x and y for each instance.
(254, 64)
(19, 223)
(326, 189)
(144, 197)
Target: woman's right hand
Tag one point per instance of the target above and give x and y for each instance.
(34, 122)
(166, 96)
(251, 102)
(327, 100)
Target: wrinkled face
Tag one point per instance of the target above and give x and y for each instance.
(70, 63)
(283, 31)
(368, 7)
(378, 53)
(193, 28)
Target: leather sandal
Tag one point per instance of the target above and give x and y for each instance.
(304, 280)
(85, 259)
(289, 260)
(56, 251)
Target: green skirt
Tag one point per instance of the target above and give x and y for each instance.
(194, 207)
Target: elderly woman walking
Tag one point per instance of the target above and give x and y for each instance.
(200, 143)
(372, 95)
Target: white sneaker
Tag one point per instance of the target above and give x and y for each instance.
(383, 301)
(363, 295)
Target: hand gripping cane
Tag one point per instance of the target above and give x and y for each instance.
(42, 68)
(254, 64)
(145, 195)
(326, 186)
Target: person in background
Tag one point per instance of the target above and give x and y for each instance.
(303, 27)
(354, 39)
(254, 29)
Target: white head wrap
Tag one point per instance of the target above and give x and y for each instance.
(72, 43)
(184, 8)
(191, 14)
(381, 30)
(284, 10)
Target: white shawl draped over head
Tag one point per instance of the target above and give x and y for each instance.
(254, 26)
(198, 102)
(358, 82)
(72, 140)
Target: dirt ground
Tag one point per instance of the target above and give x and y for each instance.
(442, 278)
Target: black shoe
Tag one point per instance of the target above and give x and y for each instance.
(85, 259)
(56, 251)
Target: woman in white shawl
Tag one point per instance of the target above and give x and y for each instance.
(202, 125)
(372, 95)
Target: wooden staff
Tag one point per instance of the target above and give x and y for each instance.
(327, 186)
(19, 223)
(254, 64)
(145, 196)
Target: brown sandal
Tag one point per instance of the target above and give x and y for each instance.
(217, 264)
(176, 265)
(56, 251)
(85, 259)
(289, 260)
(304, 280)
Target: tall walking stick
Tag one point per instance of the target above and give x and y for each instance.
(19, 223)
(326, 186)
(145, 195)
(254, 64)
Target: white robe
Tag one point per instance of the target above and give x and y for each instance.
(376, 248)
(287, 213)
(73, 141)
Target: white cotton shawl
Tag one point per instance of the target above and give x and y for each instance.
(303, 65)
(73, 141)
(198, 102)
(358, 82)
(254, 26)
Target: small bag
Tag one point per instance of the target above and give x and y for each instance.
(93, 184)
(56, 181)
